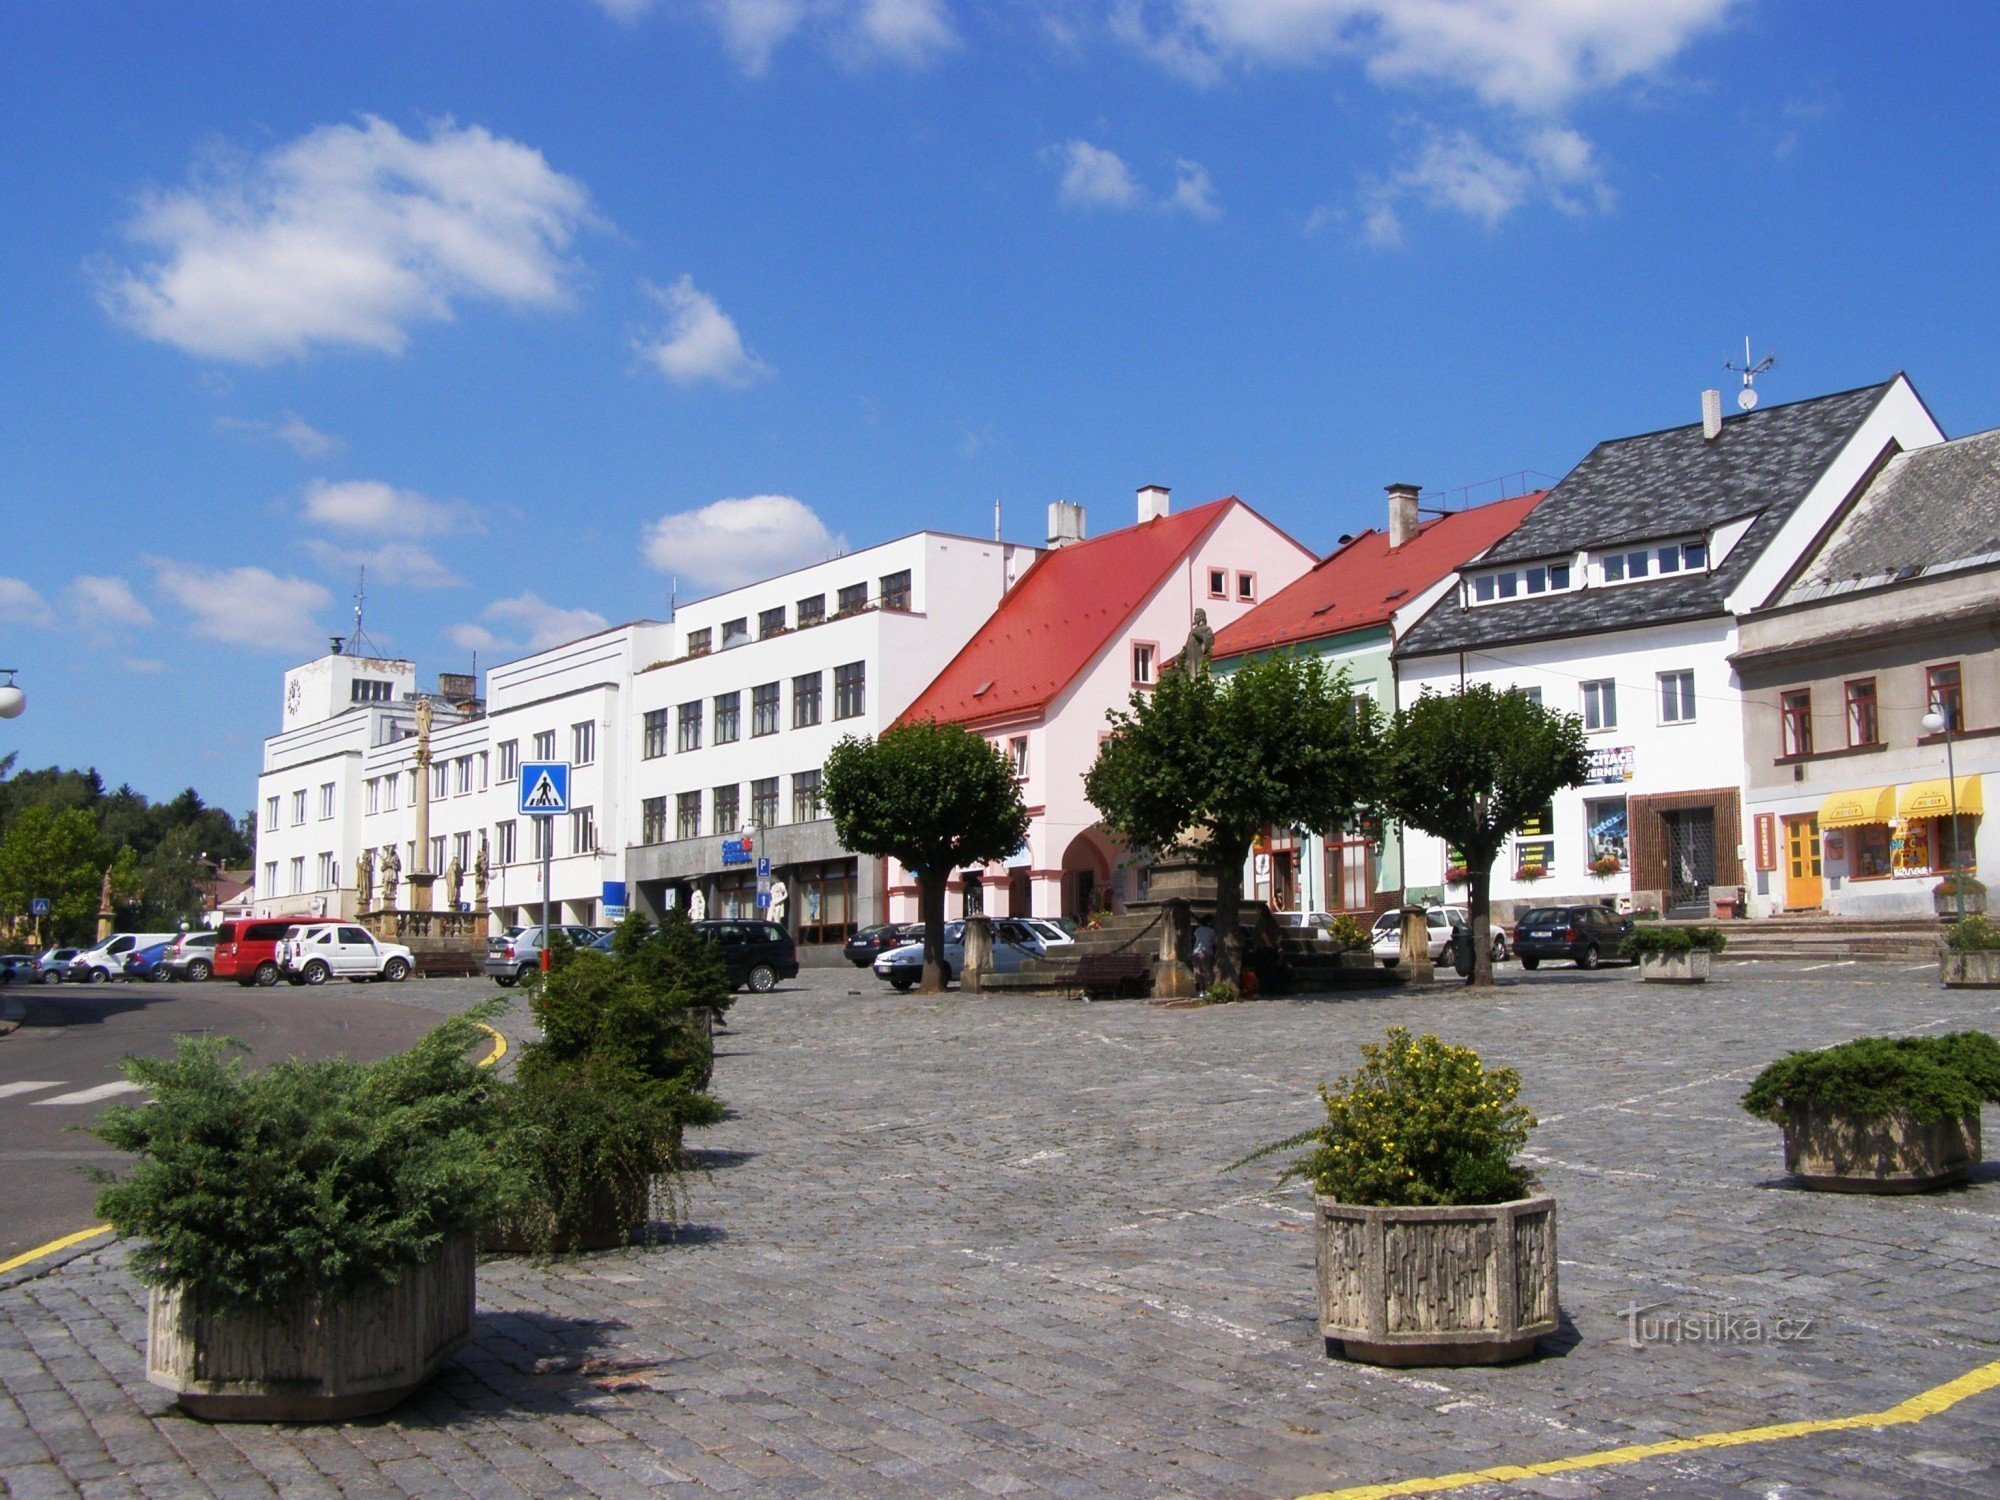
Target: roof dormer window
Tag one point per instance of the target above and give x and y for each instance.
(1513, 583)
(1630, 565)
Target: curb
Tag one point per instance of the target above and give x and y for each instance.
(45, 1258)
(12, 1014)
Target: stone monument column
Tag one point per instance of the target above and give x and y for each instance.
(422, 876)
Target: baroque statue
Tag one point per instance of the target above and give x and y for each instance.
(1200, 645)
(392, 870)
(454, 878)
(482, 869)
(364, 880)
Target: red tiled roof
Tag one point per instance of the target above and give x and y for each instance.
(1366, 581)
(1058, 617)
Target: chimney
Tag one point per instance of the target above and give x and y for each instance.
(1711, 415)
(1402, 513)
(1153, 502)
(1065, 523)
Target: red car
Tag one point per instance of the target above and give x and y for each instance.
(246, 948)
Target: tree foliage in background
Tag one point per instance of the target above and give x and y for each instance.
(933, 797)
(1471, 767)
(1205, 761)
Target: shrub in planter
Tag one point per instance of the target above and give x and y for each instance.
(1881, 1114)
(644, 1004)
(1959, 890)
(1348, 935)
(1675, 954)
(306, 1229)
(1971, 955)
(1433, 1246)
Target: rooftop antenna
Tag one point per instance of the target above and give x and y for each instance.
(996, 518)
(1749, 370)
(674, 601)
(359, 639)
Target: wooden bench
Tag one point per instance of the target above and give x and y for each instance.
(1114, 973)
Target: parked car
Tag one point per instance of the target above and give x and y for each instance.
(1443, 922)
(53, 966)
(107, 959)
(1308, 922)
(1014, 943)
(313, 955)
(1585, 935)
(191, 956)
(756, 953)
(516, 954)
(1050, 930)
(19, 968)
(148, 963)
(870, 943)
(246, 948)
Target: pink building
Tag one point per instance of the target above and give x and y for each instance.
(1089, 622)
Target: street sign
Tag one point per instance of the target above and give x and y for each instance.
(764, 869)
(39, 907)
(544, 788)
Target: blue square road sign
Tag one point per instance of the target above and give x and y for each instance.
(544, 788)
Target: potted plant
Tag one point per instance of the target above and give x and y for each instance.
(1674, 955)
(1458, 875)
(1529, 874)
(1433, 1247)
(1881, 1114)
(1607, 864)
(1971, 958)
(1960, 893)
(307, 1230)
(1354, 943)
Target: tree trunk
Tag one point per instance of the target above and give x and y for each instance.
(1480, 901)
(930, 907)
(1229, 921)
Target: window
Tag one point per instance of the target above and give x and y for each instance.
(656, 733)
(853, 597)
(269, 885)
(461, 850)
(1862, 720)
(764, 709)
(653, 820)
(1945, 689)
(735, 632)
(1017, 754)
(389, 785)
(1532, 694)
(583, 830)
(811, 611)
(1871, 850)
(373, 795)
(298, 808)
(1535, 845)
(510, 760)
(325, 800)
(326, 877)
(1218, 583)
(1694, 556)
(805, 796)
(1145, 663)
(698, 642)
(1795, 720)
(1677, 697)
(414, 789)
(850, 690)
(505, 850)
(896, 590)
(770, 622)
(370, 690)
(485, 765)
(725, 809)
(1606, 832)
(1482, 588)
(688, 734)
(583, 742)
(462, 775)
(298, 873)
(545, 745)
(1540, 578)
(437, 853)
(687, 815)
(1246, 586)
(805, 700)
(728, 718)
(544, 837)
(440, 780)
(1600, 705)
(270, 812)
(764, 802)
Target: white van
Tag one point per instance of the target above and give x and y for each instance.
(107, 959)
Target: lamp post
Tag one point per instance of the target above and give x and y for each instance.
(1939, 719)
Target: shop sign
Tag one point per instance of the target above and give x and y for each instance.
(614, 901)
(1767, 841)
(741, 851)
(1609, 764)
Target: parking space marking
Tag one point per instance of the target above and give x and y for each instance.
(92, 1095)
(9, 1090)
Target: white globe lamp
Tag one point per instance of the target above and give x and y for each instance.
(12, 699)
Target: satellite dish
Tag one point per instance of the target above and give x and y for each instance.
(1746, 398)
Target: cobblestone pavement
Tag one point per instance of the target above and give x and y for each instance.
(953, 1246)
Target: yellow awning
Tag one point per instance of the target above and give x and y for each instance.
(1869, 804)
(1932, 799)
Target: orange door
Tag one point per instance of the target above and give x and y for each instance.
(1802, 883)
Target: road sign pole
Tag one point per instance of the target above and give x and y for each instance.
(548, 847)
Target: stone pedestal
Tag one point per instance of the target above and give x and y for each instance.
(1180, 882)
(420, 883)
(1415, 958)
(978, 954)
(440, 942)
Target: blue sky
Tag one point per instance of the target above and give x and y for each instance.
(512, 300)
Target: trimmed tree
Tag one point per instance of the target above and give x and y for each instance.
(1204, 761)
(935, 798)
(1472, 767)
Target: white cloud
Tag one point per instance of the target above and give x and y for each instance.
(105, 603)
(22, 604)
(627, 12)
(700, 341)
(403, 563)
(383, 510)
(244, 606)
(1096, 177)
(525, 620)
(731, 542)
(347, 236)
(1456, 172)
(912, 32)
(293, 431)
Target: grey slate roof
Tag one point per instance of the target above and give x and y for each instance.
(1930, 508)
(1657, 485)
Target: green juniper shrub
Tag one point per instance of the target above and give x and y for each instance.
(642, 1004)
(307, 1178)
(1973, 934)
(1934, 1078)
(1222, 992)
(1420, 1123)
(1673, 942)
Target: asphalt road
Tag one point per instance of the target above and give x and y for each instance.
(60, 1068)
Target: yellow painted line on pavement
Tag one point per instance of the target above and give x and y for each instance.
(499, 1045)
(1926, 1404)
(53, 1247)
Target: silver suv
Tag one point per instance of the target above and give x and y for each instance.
(515, 955)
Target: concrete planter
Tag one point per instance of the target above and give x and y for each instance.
(1675, 968)
(1970, 971)
(1948, 906)
(613, 1206)
(1839, 1152)
(313, 1361)
(1472, 1285)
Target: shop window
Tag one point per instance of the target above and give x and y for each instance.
(1953, 841)
(1534, 843)
(823, 896)
(1795, 720)
(1863, 721)
(1607, 833)
(1944, 690)
(1871, 850)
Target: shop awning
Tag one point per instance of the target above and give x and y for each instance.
(1869, 804)
(1933, 799)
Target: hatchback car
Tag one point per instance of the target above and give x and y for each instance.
(517, 953)
(1585, 935)
(148, 963)
(53, 966)
(757, 954)
(1014, 943)
(19, 968)
(870, 943)
(1444, 923)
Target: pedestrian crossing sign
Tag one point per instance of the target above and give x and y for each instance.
(544, 788)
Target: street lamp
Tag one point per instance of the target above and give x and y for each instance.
(12, 699)
(1936, 721)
